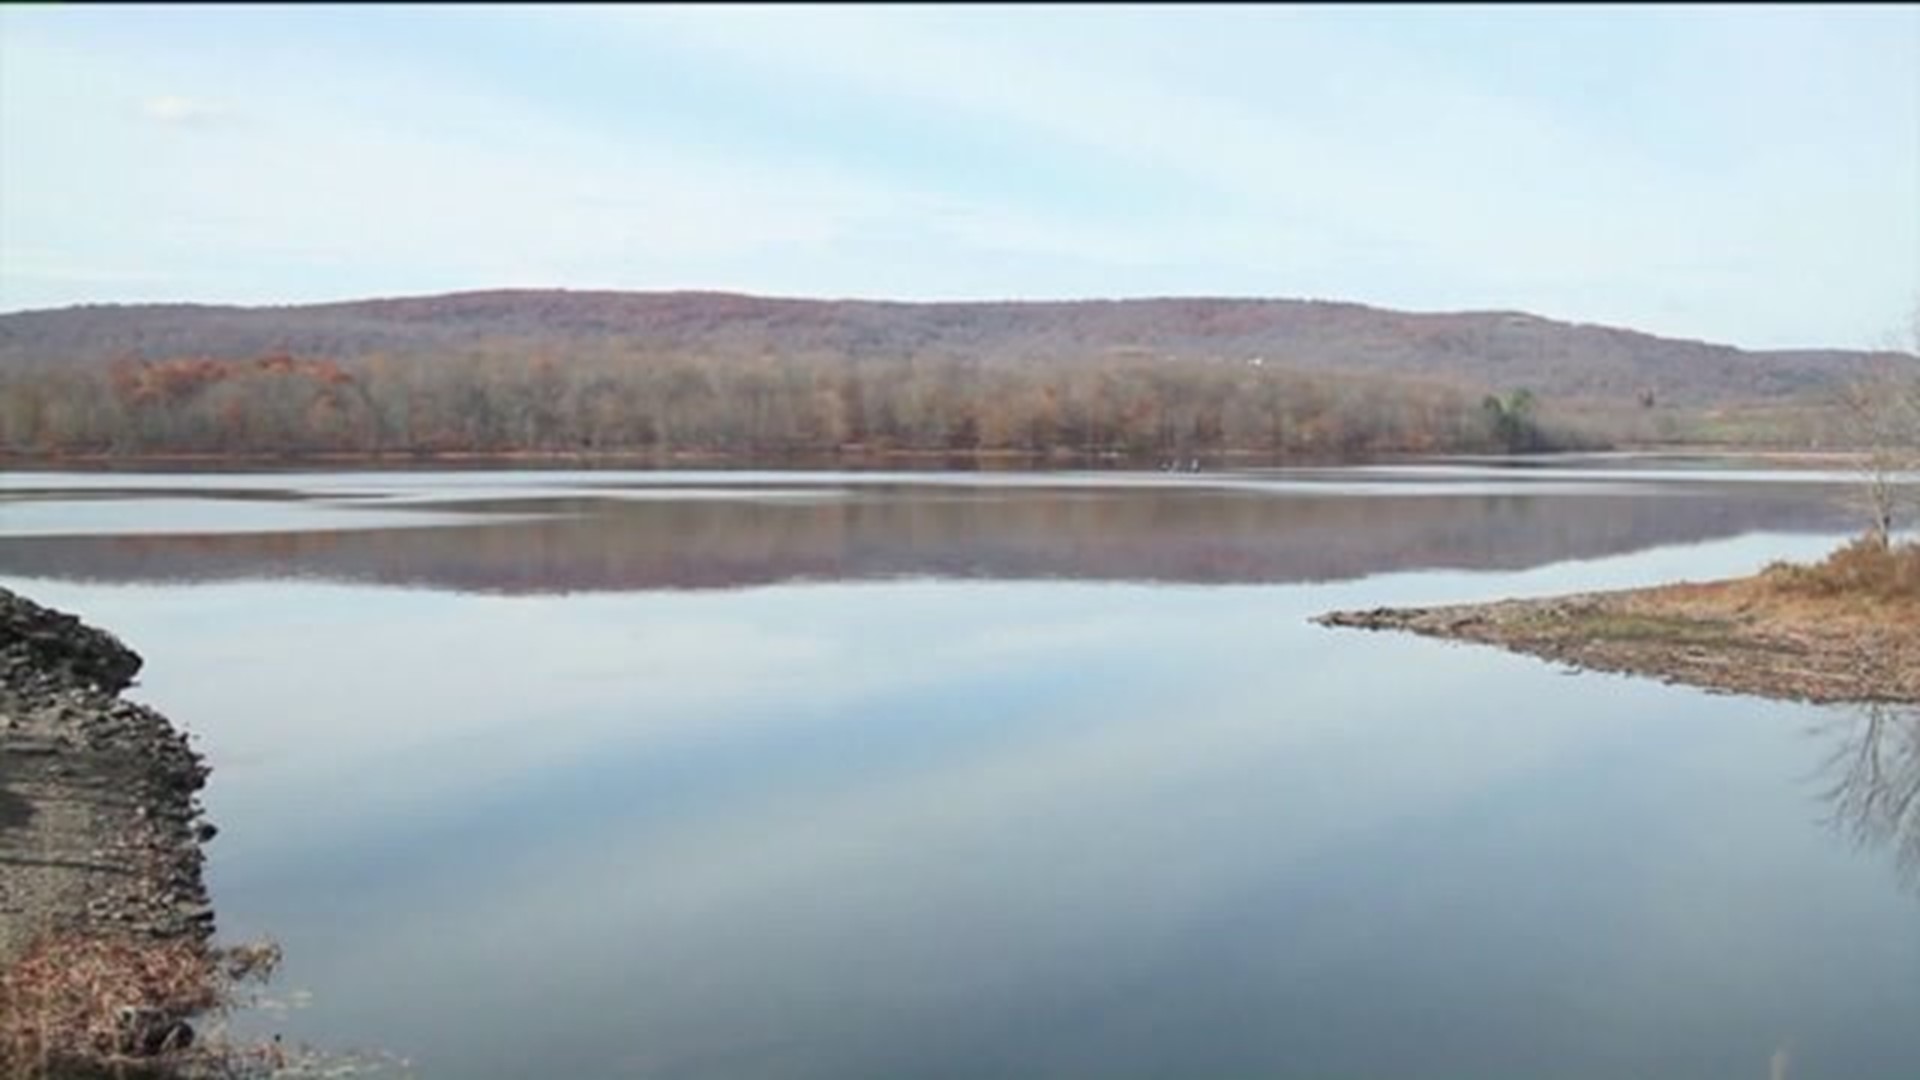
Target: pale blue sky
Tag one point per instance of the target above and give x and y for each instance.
(1749, 175)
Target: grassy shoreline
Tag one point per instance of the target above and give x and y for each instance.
(1840, 631)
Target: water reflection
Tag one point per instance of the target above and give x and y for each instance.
(1874, 769)
(1005, 829)
(583, 542)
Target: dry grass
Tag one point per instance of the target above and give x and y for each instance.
(119, 1006)
(1862, 569)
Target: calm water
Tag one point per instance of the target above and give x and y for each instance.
(832, 775)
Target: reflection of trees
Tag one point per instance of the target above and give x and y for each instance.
(1875, 792)
(677, 539)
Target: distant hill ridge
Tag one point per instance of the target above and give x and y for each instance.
(1496, 349)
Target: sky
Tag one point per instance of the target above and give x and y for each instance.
(1748, 175)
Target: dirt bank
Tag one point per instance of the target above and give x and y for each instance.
(1747, 636)
(99, 826)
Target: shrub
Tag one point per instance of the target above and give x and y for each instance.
(1864, 568)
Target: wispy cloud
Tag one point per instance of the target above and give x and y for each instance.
(176, 111)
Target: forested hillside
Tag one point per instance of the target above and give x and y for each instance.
(557, 371)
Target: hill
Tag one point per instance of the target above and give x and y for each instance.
(1491, 349)
(554, 371)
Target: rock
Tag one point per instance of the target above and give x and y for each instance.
(44, 642)
(129, 858)
(149, 1032)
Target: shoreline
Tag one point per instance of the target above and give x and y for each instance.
(852, 459)
(1754, 636)
(856, 459)
(100, 827)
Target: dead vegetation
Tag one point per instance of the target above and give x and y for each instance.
(1865, 570)
(77, 1006)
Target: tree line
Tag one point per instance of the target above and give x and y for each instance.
(611, 402)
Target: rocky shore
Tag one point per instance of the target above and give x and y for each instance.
(100, 829)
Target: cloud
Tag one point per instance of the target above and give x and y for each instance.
(176, 111)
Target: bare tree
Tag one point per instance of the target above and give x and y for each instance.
(1883, 409)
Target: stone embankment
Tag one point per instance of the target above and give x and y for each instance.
(100, 829)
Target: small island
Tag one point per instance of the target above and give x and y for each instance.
(1843, 630)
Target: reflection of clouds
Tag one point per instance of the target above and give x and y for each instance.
(1874, 775)
(411, 700)
(1038, 868)
(434, 696)
(1021, 838)
(818, 829)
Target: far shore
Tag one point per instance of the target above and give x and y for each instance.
(857, 458)
(847, 459)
